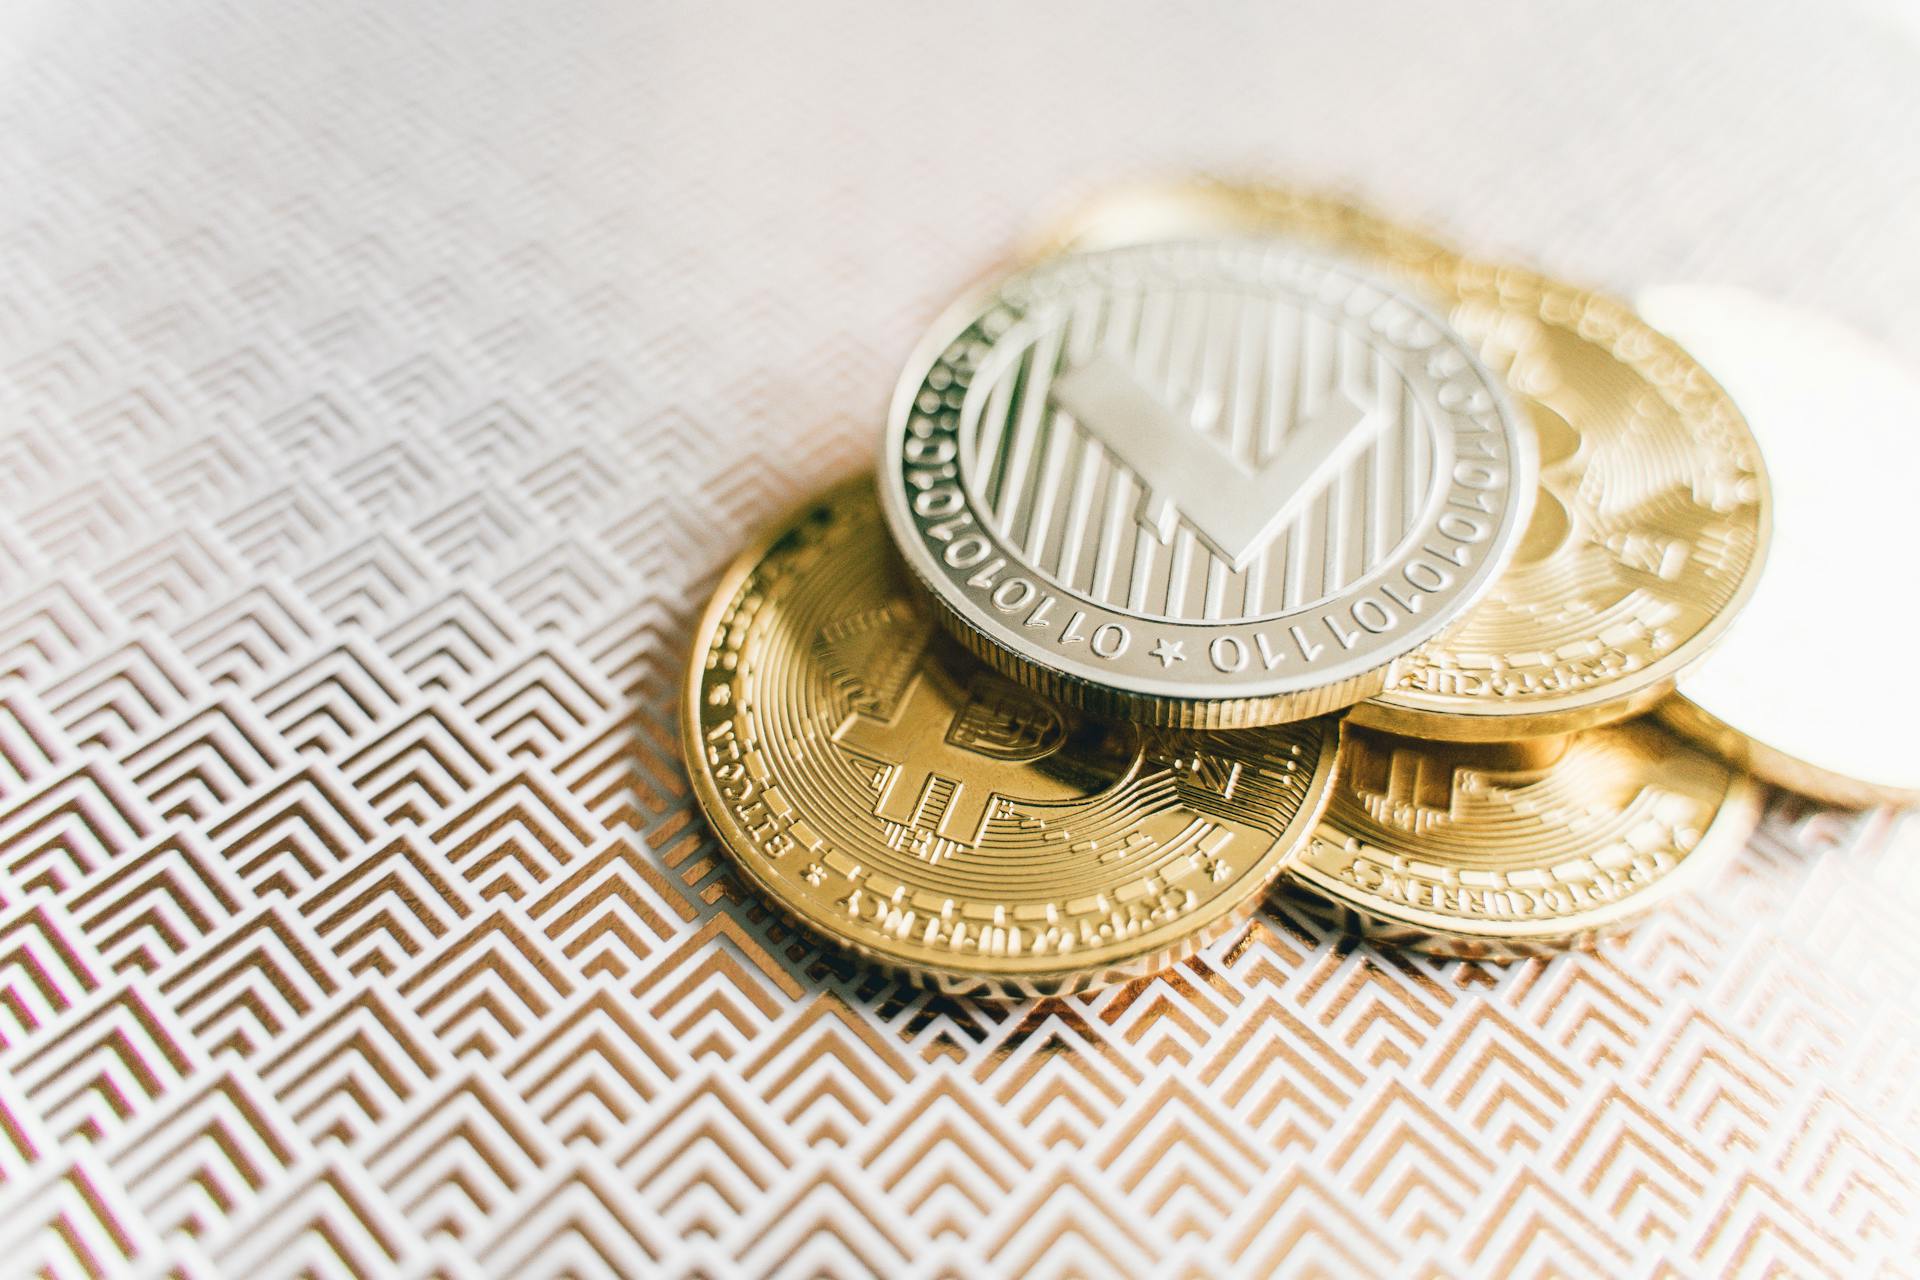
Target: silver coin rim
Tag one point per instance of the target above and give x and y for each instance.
(1079, 681)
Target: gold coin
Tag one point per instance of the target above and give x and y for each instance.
(1492, 849)
(1176, 210)
(1652, 517)
(1837, 415)
(898, 797)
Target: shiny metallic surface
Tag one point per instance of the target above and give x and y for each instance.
(1810, 688)
(1182, 208)
(1651, 524)
(890, 792)
(1649, 533)
(1207, 484)
(1497, 849)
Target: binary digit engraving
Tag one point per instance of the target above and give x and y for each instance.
(362, 472)
(1652, 515)
(1253, 456)
(1649, 529)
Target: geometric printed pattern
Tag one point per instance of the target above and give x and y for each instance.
(380, 392)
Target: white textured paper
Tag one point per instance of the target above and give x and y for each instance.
(381, 387)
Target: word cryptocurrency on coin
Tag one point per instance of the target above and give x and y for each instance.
(1208, 484)
(894, 794)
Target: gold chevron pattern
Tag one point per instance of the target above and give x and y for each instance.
(362, 469)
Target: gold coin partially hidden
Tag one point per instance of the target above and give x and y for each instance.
(899, 798)
(1653, 512)
(1499, 849)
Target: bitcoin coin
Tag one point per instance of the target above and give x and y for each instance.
(1651, 523)
(897, 796)
(1492, 849)
(1209, 485)
(1806, 689)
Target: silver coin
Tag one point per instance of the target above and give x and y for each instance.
(1211, 484)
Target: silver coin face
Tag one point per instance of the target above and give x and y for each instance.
(1209, 484)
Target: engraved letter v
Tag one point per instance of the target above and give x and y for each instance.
(1235, 511)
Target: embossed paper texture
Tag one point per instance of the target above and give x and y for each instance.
(380, 390)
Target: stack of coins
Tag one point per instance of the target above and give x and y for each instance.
(1238, 538)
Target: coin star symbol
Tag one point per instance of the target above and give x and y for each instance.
(1169, 652)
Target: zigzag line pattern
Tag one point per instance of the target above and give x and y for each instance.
(363, 462)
